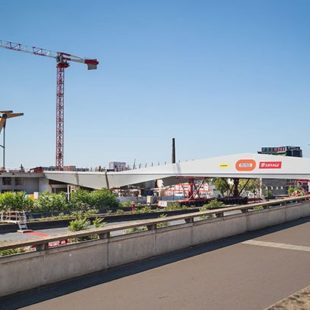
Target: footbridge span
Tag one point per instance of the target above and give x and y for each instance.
(231, 166)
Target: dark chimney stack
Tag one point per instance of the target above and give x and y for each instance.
(173, 150)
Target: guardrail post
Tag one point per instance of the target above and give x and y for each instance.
(42, 247)
(104, 236)
(189, 220)
(151, 227)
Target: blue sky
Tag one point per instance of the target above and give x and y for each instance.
(222, 77)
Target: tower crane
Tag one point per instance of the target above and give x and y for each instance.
(62, 62)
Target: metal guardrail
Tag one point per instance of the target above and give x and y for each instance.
(13, 217)
(104, 232)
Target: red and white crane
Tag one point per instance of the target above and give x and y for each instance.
(62, 62)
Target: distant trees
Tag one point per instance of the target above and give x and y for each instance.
(226, 188)
(221, 185)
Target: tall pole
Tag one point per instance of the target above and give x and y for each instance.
(3, 146)
(3, 118)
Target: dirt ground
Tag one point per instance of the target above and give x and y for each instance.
(298, 301)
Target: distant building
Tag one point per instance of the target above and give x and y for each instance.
(276, 186)
(33, 180)
(28, 182)
(294, 151)
(118, 166)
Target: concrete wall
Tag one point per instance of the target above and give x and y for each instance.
(26, 271)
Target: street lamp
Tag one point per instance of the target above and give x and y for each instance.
(4, 116)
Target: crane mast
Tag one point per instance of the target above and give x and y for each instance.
(62, 62)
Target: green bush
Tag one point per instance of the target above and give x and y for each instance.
(81, 200)
(49, 202)
(98, 222)
(291, 190)
(101, 199)
(162, 225)
(213, 204)
(104, 199)
(136, 229)
(295, 191)
(18, 201)
(125, 204)
(79, 224)
(175, 206)
(12, 251)
(144, 210)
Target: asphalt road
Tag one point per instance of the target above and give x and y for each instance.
(250, 271)
(50, 232)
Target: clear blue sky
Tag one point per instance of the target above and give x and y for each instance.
(222, 77)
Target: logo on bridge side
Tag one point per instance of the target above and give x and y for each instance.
(245, 165)
(224, 165)
(270, 165)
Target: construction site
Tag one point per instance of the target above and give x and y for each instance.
(188, 190)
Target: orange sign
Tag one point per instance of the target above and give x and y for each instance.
(246, 165)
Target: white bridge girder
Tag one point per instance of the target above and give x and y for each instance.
(231, 166)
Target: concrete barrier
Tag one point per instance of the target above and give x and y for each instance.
(130, 248)
(211, 230)
(30, 270)
(173, 238)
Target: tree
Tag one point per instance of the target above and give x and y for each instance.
(249, 185)
(221, 185)
(225, 188)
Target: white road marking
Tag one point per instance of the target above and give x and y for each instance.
(284, 246)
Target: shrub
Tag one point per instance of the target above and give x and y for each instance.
(12, 251)
(80, 200)
(125, 204)
(18, 201)
(101, 199)
(104, 199)
(49, 202)
(175, 206)
(258, 208)
(213, 204)
(79, 224)
(144, 210)
(98, 222)
(136, 229)
(164, 224)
